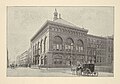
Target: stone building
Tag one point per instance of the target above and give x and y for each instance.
(29, 56)
(59, 43)
(97, 49)
(100, 49)
(110, 50)
(22, 60)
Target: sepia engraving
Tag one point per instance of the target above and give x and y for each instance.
(59, 48)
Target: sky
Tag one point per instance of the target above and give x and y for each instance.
(23, 22)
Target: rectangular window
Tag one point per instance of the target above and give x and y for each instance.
(57, 47)
(60, 47)
(79, 49)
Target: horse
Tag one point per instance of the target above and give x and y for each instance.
(76, 70)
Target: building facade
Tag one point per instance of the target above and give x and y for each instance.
(110, 50)
(22, 60)
(60, 43)
(29, 57)
(25, 59)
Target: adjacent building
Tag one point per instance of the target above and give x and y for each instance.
(59, 43)
(110, 50)
(29, 56)
(22, 60)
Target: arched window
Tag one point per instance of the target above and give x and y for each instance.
(41, 45)
(79, 46)
(45, 44)
(33, 50)
(69, 44)
(57, 43)
(42, 60)
(36, 49)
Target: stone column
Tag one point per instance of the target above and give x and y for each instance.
(39, 60)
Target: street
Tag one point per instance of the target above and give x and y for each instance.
(51, 72)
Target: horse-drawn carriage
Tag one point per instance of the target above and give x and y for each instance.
(88, 70)
(85, 70)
